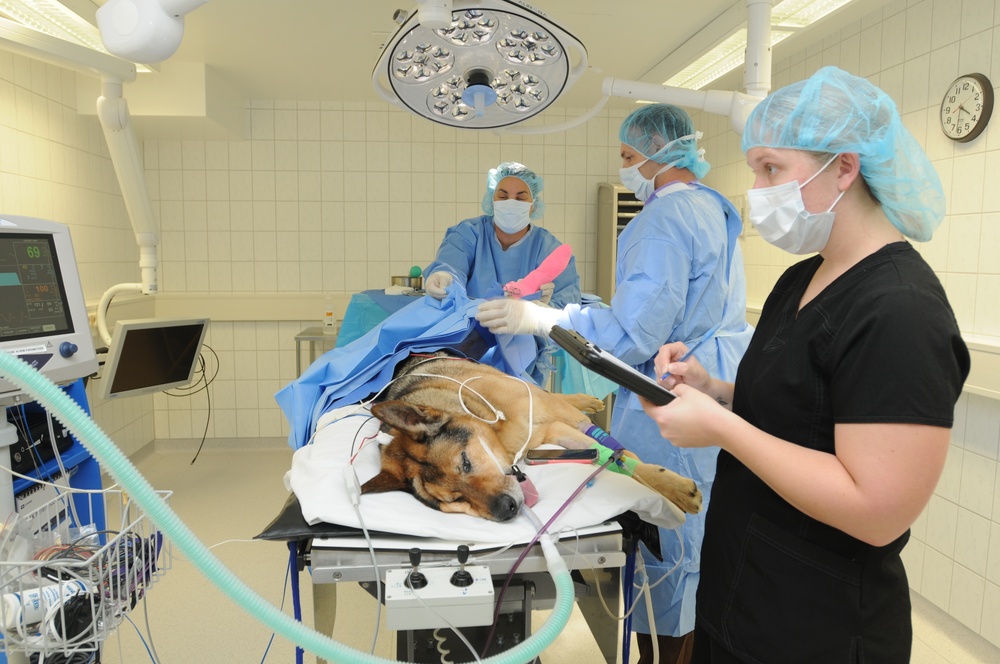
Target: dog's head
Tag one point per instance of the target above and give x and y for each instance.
(450, 461)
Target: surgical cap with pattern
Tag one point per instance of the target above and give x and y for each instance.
(836, 112)
(650, 129)
(521, 172)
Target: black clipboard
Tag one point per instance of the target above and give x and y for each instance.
(609, 366)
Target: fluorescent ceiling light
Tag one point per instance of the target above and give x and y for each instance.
(800, 13)
(786, 17)
(55, 19)
(721, 60)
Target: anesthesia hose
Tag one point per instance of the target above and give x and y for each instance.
(60, 405)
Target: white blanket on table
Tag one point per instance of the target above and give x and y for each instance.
(318, 479)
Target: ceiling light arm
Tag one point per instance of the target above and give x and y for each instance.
(734, 105)
(434, 13)
(757, 63)
(112, 111)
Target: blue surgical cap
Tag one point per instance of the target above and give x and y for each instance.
(521, 172)
(836, 112)
(650, 129)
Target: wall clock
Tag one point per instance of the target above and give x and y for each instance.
(966, 107)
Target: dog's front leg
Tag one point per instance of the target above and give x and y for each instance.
(679, 490)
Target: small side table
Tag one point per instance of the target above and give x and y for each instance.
(313, 335)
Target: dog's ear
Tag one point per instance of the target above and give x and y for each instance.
(388, 479)
(419, 422)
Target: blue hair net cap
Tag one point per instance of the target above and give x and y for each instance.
(509, 169)
(836, 112)
(654, 130)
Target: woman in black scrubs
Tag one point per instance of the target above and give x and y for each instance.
(836, 430)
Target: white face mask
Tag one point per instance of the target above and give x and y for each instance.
(642, 186)
(511, 215)
(780, 216)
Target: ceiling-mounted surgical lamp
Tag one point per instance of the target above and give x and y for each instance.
(500, 62)
(481, 64)
(144, 30)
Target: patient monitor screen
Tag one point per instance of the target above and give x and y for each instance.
(32, 300)
(152, 355)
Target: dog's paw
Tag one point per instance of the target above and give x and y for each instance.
(681, 491)
(689, 499)
(586, 403)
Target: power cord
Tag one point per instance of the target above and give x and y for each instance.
(354, 491)
(202, 384)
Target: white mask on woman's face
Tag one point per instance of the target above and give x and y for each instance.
(779, 214)
(511, 215)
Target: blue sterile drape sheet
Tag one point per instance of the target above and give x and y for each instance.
(348, 374)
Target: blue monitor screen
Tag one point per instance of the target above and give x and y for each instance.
(32, 300)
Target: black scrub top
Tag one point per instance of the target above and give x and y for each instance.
(879, 344)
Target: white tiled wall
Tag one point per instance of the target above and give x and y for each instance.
(913, 50)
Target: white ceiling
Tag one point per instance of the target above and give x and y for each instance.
(324, 50)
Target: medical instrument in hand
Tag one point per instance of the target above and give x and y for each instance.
(537, 457)
(545, 273)
(705, 337)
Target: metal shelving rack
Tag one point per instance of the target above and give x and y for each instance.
(616, 206)
(65, 583)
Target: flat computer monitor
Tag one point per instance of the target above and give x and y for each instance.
(43, 316)
(151, 355)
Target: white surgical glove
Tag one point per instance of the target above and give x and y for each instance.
(547, 290)
(508, 316)
(435, 284)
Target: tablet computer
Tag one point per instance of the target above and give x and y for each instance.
(604, 363)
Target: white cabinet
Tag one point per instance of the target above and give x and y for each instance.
(616, 206)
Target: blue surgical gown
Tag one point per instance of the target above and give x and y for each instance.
(679, 278)
(472, 253)
(347, 374)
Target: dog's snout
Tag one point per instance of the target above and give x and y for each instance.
(504, 507)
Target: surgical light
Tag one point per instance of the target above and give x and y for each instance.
(493, 64)
(144, 30)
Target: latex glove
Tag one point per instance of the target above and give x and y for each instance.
(435, 284)
(509, 316)
(547, 290)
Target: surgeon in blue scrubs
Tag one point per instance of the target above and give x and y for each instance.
(680, 278)
(502, 245)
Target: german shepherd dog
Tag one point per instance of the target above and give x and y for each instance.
(457, 425)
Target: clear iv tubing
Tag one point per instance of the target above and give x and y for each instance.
(541, 533)
(93, 438)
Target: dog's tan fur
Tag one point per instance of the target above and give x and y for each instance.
(435, 454)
